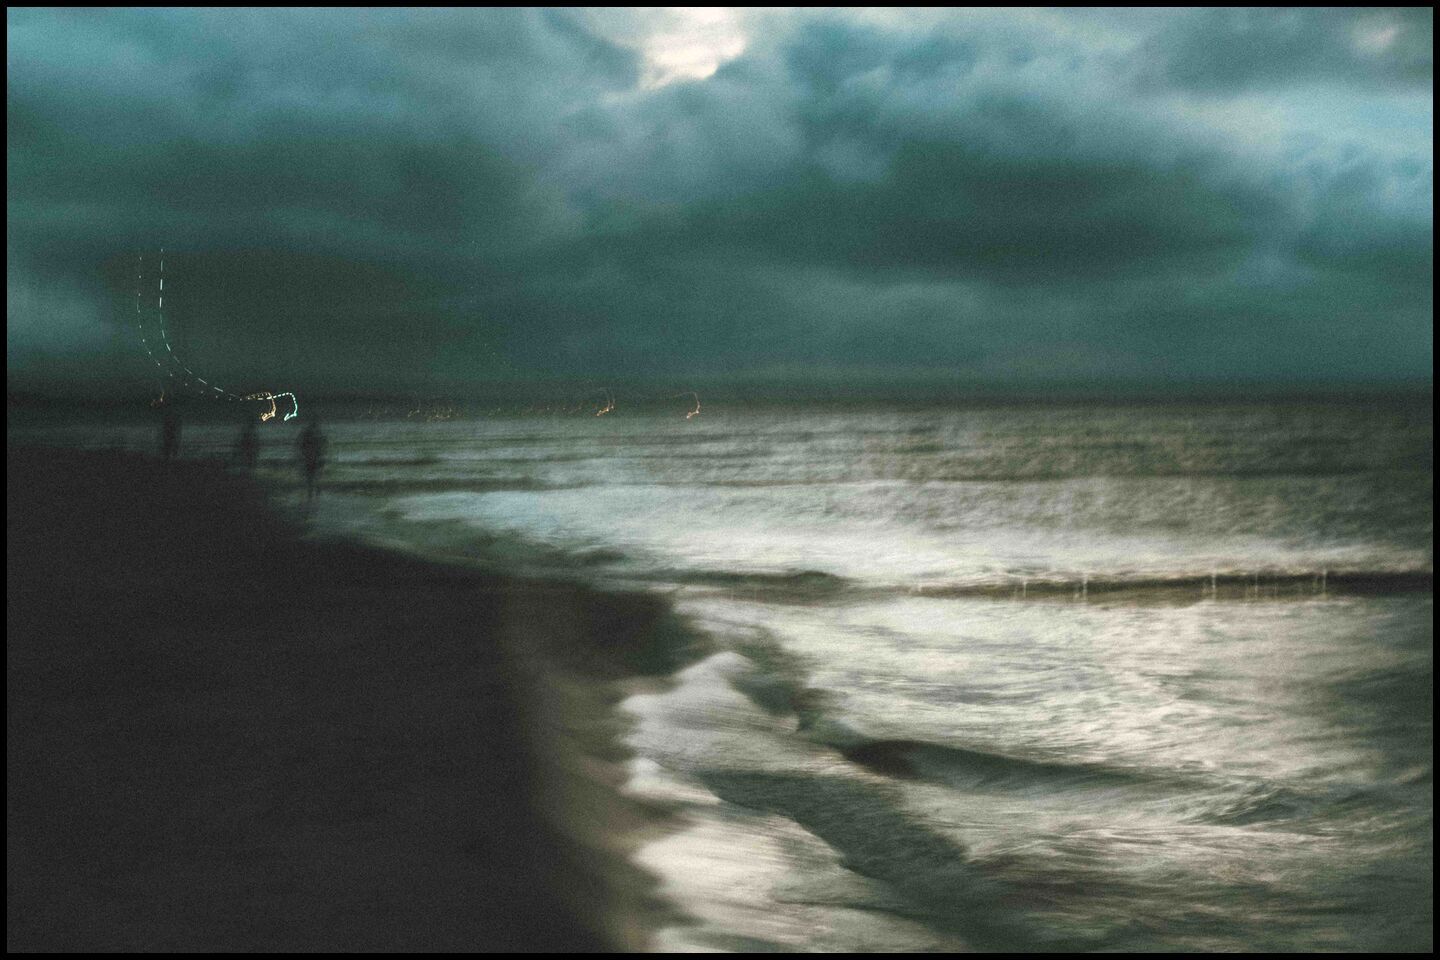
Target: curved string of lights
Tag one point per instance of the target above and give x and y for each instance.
(155, 338)
(155, 335)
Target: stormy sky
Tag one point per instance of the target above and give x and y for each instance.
(388, 200)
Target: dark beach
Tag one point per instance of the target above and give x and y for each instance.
(223, 736)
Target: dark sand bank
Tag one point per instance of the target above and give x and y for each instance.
(222, 737)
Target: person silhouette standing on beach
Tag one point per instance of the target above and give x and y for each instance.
(169, 432)
(247, 448)
(312, 454)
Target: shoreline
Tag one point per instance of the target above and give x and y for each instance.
(224, 737)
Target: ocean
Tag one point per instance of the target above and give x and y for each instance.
(1096, 677)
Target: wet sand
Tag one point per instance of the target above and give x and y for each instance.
(225, 737)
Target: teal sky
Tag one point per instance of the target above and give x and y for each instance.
(393, 200)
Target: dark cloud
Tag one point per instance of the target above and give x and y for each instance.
(1234, 49)
(387, 199)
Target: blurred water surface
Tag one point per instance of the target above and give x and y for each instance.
(1030, 677)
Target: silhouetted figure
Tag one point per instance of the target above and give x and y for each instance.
(247, 448)
(312, 454)
(169, 432)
